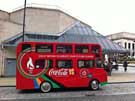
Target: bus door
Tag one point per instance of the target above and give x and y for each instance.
(99, 70)
(85, 70)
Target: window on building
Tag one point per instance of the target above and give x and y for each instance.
(64, 63)
(129, 45)
(64, 49)
(44, 48)
(133, 54)
(85, 63)
(81, 49)
(126, 45)
(119, 43)
(133, 46)
(41, 63)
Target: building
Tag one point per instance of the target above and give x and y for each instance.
(126, 40)
(43, 24)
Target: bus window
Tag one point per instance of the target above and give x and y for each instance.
(26, 46)
(44, 48)
(40, 63)
(96, 50)
(81, 49)
(64, 63)
(85, 63)
(64, 49)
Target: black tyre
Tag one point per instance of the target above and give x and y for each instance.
(45, 87)
(94, 85)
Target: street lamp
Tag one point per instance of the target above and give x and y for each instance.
(24, 14)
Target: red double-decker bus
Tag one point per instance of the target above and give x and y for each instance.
(45, 66)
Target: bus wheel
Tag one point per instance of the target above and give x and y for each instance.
(45, 87)
(94, 85)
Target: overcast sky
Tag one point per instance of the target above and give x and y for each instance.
(105, 16)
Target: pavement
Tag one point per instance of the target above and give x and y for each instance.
(122, 76)
(117, 76)
(7, 81)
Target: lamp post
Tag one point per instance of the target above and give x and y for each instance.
(24, 14)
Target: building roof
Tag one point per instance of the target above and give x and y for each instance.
(3, 11)
(78, 32)
(121, 35)
(84, 34)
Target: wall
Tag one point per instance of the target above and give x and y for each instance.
(10, 52)
(1, 62)
(9, 29)
(65, 21)
(38, 20)
(6, 53)
(4, 15)
(1, 29)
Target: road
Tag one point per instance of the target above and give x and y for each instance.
(127, 97)
(91, 98)
(104, 94)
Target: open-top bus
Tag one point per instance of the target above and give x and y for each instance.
(47, 65)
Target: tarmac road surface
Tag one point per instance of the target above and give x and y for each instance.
(115, 92)
(126, 97)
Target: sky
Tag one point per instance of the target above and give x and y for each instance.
(104, 16)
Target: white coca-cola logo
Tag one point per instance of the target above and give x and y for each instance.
(60, 72)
